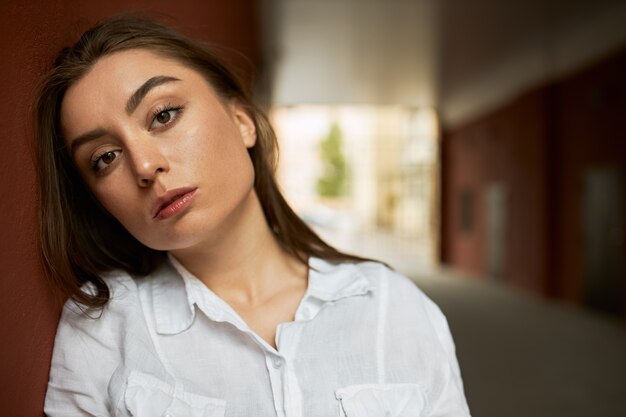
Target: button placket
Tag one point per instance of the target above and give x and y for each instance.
(274, 365)
(278, 362)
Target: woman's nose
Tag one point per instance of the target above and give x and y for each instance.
(148, 163)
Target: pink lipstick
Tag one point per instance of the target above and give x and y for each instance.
(173, 202)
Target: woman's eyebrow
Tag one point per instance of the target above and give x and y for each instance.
(86, 137)
(131, 105)
(145, 88)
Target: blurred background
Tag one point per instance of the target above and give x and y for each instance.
(477, 146)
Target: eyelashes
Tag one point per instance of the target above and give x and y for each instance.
(104, 159)
(163, 116)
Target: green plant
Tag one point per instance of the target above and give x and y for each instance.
(334, 179)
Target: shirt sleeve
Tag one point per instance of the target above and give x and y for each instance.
(85, 355)
(428, 345)
(451, 399)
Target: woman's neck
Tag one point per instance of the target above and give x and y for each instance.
(245, 262)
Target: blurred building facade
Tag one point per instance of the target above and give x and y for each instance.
(533, 150)
(527, 182)
(534, 190)
(392, 161)
(369, 67)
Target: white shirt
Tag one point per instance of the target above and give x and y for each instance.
(365, 342)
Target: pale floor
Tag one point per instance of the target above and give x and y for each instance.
(520, 355)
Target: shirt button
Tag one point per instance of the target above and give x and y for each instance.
(278, 362)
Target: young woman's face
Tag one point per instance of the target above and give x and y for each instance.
(158, 148)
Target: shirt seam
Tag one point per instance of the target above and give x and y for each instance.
(382, 318)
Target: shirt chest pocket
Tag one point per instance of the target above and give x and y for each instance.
(381, 400)
(148, 396)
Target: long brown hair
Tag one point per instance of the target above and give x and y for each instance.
(79, 239)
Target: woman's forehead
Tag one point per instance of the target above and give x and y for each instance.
(128, 69)
(114, 78)
(118, 75)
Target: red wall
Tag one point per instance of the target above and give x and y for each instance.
(539, 144)
(505, 146)
(589, 117)
(31, 33)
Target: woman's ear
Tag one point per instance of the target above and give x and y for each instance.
(246, 126)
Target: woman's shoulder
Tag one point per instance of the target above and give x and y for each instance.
(93, 345)
(122, 302)
(406, 302)
(85, 334)
(403, 294)
(121, 286)
(384, 277)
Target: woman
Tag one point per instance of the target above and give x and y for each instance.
(194, 289)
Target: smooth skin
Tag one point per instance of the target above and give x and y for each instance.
(176, 132)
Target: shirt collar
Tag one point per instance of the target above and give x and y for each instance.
(174, 289)
(331, 282)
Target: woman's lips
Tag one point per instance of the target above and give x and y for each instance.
(173, 202)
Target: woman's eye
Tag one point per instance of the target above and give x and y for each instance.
(164, 117)
(104, 160)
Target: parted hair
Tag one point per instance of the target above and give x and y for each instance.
(79, 239)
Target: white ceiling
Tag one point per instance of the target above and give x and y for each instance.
(490, 51)
(461, 56)
(348, 51)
